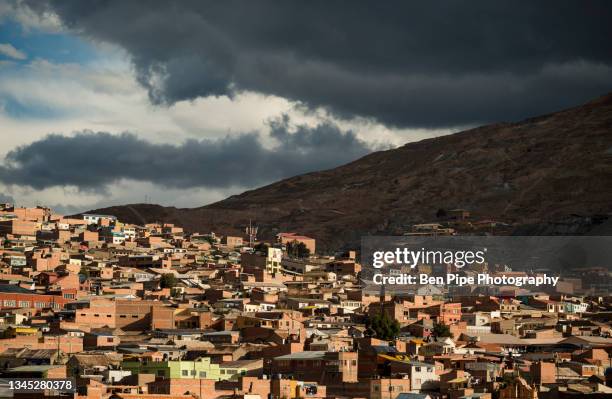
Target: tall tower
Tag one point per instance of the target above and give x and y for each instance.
(381, 299)
(251, 231)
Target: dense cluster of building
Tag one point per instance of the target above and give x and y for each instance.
(152, 312)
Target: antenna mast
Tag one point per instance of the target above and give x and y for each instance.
(251, 231)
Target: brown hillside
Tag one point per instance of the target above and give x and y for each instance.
(531, 173)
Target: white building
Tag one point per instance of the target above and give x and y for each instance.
(95, 219)
(423, 376)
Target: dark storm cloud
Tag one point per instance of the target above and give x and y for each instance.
(4, 198)
(92, 161)
(433, 64)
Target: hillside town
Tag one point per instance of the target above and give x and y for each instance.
(155, 312)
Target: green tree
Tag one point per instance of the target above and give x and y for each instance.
(167, 280)
(442, 330)
(298, 249)
(210, 240)
(262, 247)
(384, 326)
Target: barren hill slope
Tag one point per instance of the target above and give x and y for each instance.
(532, 173)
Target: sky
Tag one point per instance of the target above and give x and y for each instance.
(186, 103)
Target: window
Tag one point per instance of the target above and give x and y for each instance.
(109, 339)
(24, 304)
(193, 372)
(185, 373)
(122, 316)
(96, 315)
(202, 374)
(108, 315)
(417, 369)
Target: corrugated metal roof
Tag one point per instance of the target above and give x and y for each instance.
(302, 355)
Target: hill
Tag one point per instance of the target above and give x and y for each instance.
(545, 175)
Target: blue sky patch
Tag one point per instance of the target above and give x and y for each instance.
(53, 47)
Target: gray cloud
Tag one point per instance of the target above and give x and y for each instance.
(4, 198)
(419, 64)
(92, 161)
